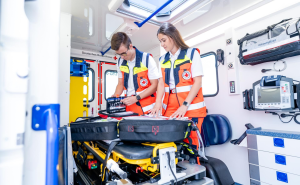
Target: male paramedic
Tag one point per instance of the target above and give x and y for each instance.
(138, 75)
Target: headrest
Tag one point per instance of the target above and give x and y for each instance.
(216, 130)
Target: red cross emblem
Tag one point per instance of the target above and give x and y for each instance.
(143, 82)
(155, 129)
(186, 75)
(130, 128)
(115, 58)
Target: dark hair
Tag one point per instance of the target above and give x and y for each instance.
(118, 39)
(171, 31)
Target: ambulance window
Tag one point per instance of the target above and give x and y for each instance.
(110, 83)
(210, 83)
(151, 6)
(91, 21)
(91, 85)
(139, 9)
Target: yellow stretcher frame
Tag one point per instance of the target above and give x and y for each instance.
(145, 164)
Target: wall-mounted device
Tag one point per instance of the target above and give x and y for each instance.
(276, 93)
(220, 56)
(276, 42)
(230, 61)
(273, 92)
(245, 99)
(80, 68)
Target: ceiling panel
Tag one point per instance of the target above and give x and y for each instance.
(90, 32)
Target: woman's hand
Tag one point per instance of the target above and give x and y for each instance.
(156, 110)
(180, 112)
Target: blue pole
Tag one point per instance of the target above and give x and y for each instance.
(103, 53)
(45, 117)
(52, 145)
(159, 9)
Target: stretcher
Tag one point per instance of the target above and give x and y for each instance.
(137, 164)
(116, 162)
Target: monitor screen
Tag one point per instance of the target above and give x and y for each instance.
(269, 95)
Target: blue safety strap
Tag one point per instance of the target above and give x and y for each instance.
(192, 53)
(147, 60)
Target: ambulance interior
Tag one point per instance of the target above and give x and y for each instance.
(56, 59)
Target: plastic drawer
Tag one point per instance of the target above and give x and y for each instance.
(275, 161)
(272, 176)
(276, 145)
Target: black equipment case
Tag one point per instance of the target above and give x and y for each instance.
(113, 105)
(157, 131)
(91, 130)
(274, 43)
(118, 115)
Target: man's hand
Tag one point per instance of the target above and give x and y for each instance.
(129, 100)
(115, 95)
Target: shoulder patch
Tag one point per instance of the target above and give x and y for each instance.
(143, 82)
(186, 75)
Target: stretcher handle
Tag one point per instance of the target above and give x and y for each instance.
(103, 112)
(273, 26)
(84, 118)
(153, 128)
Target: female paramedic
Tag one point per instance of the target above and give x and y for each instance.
(180, 83)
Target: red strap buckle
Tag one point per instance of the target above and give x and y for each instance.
(138, 169)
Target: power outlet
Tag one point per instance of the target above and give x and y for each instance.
(230, 65)
(232, 86)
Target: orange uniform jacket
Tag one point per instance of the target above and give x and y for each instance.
(140, 79)
(183, 82)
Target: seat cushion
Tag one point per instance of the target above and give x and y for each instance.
(132, 150)
(216, 130)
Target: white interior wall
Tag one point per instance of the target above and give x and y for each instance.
(235, 157)
(155, 53)
(64, 67)
(91, 55)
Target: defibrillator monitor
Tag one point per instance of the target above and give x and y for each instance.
(273, 93)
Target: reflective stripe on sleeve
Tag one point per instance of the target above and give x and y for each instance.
(140, 92)
(196, 106)
(164, 106)
(149, 107)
